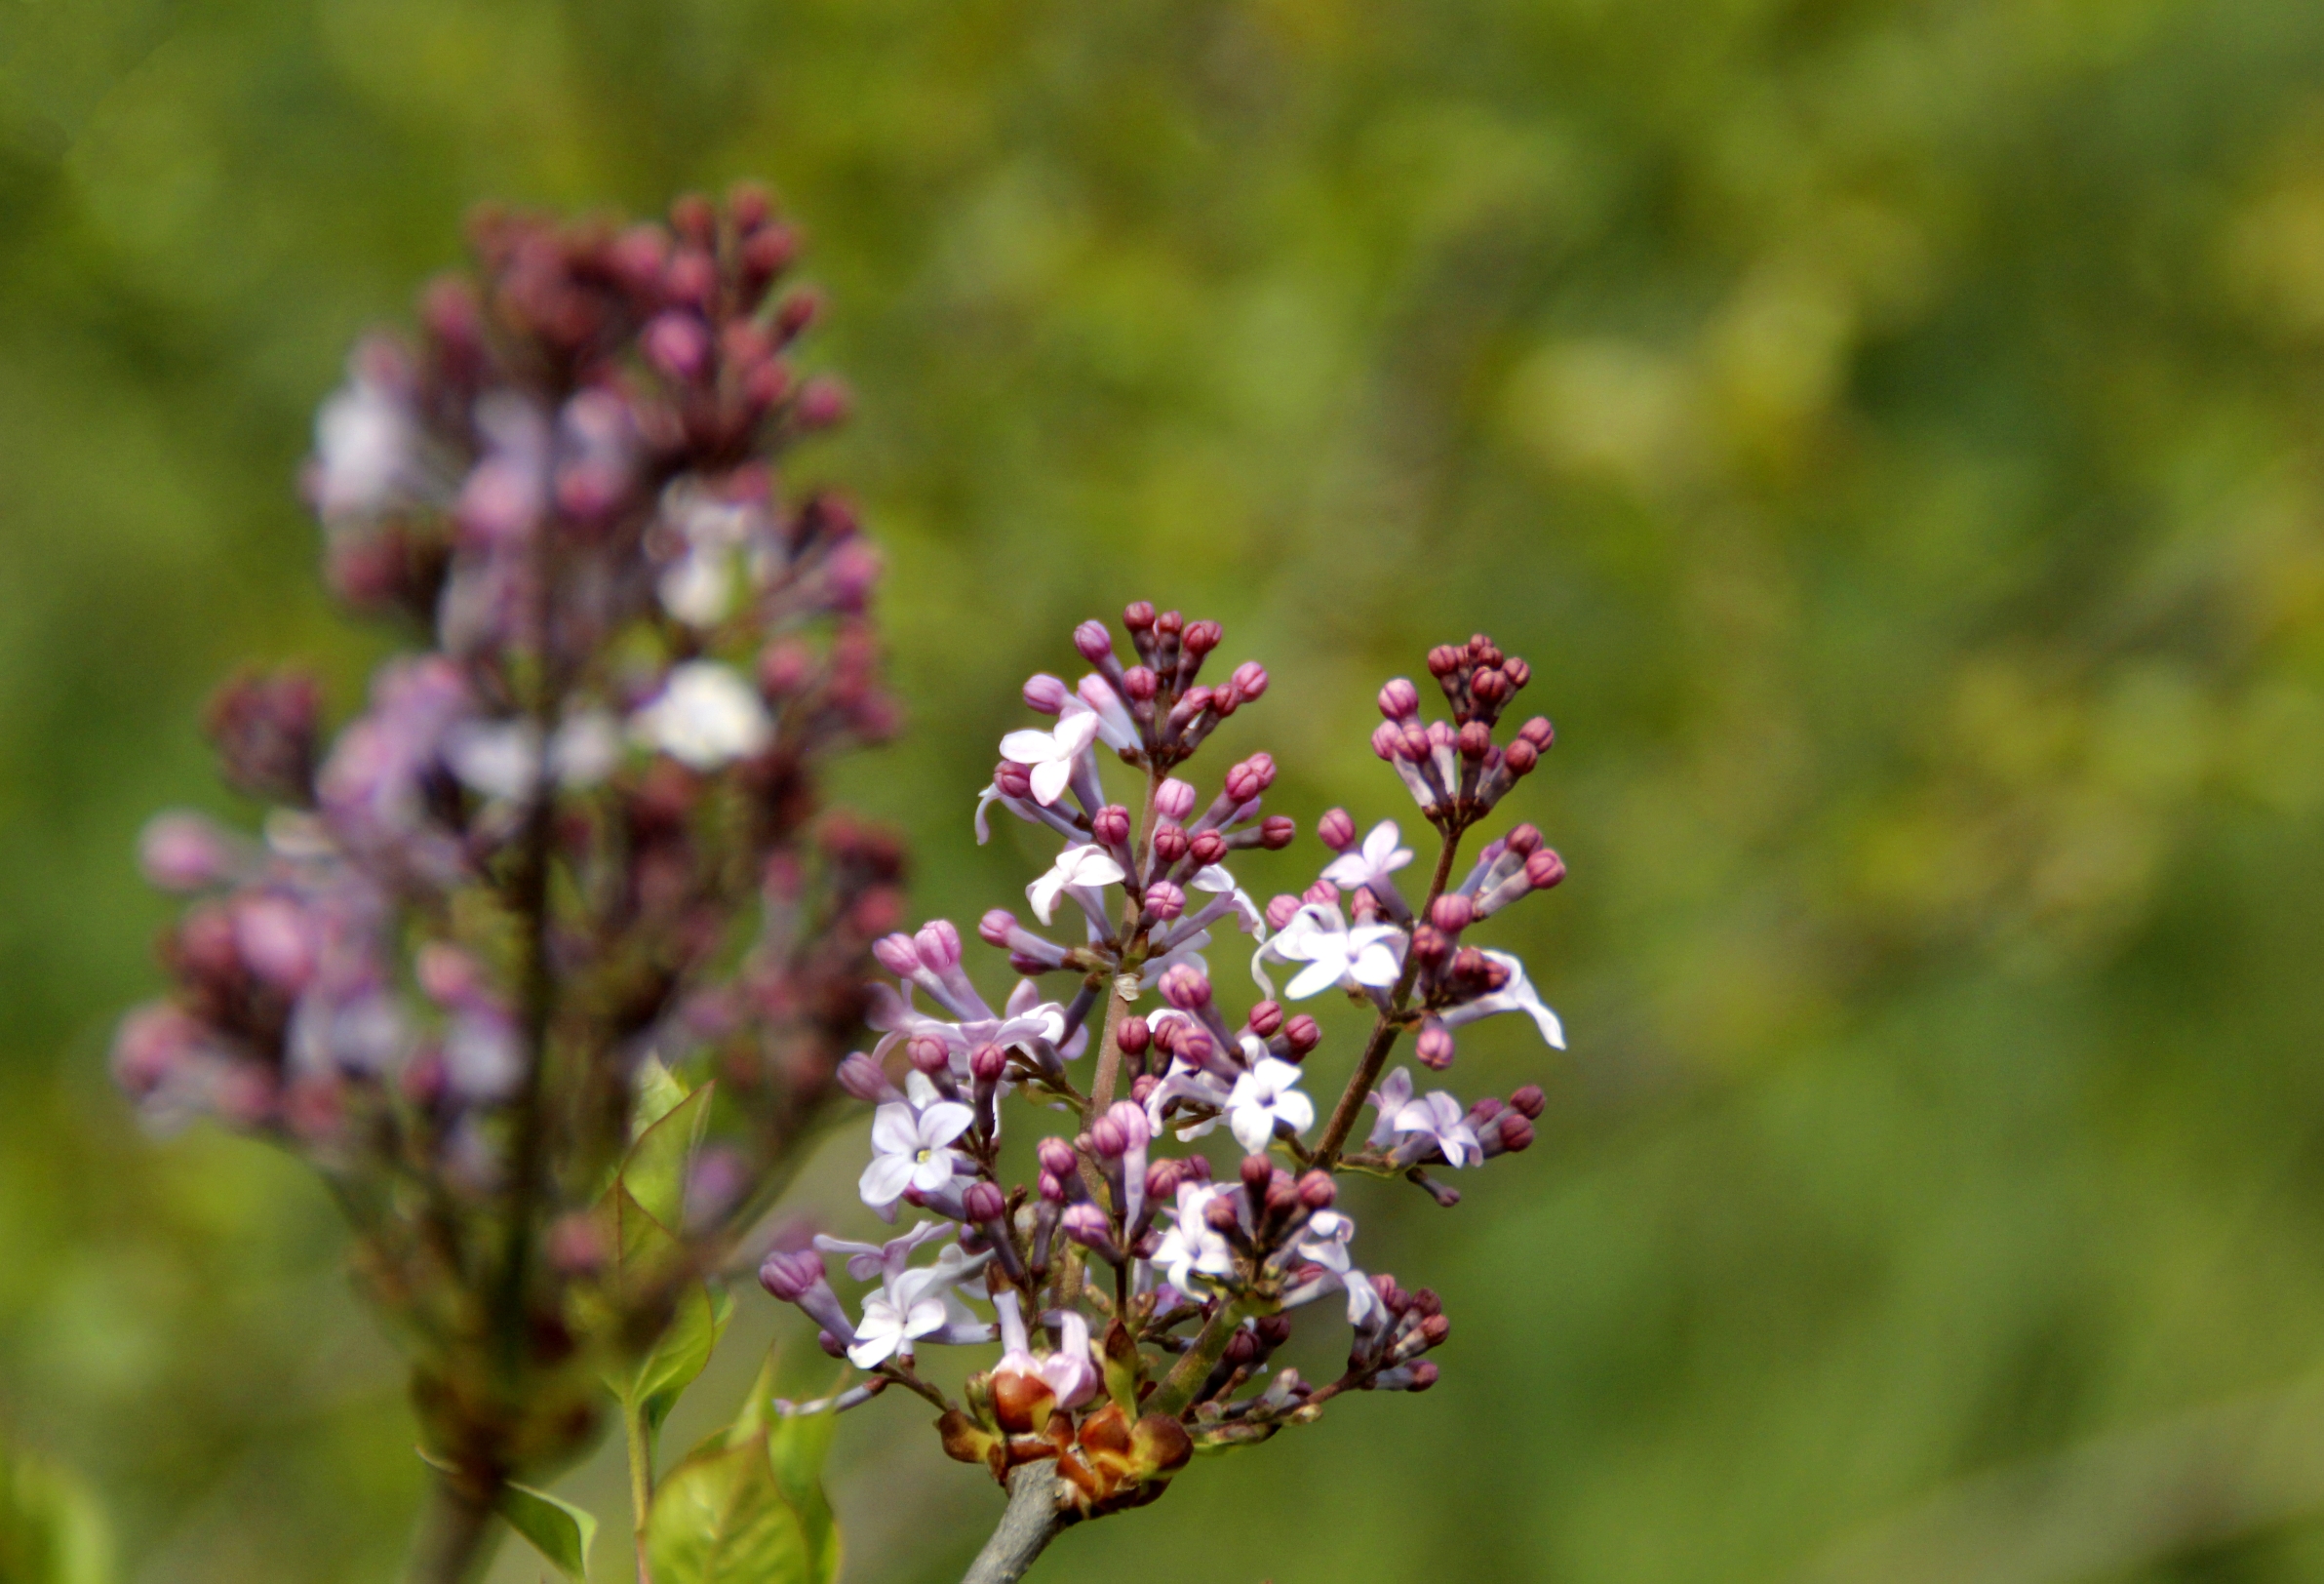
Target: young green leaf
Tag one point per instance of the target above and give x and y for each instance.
(52, 1530)
(796, 1448)
(654, 1174)
(684, 1351)
(556, 1528)
(719, 1517)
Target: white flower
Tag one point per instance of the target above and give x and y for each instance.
(705, 717)
(1517, 996)
(500, 758)
(365, 437)
(911, 1303)
(1077, 867)
(1050, 755)
(910, 1142)
(1325, 1241)
(1370, 954)
(1374, 860)
(1441, 1116)
(1190, 1248)
(1214, 879)
(1265, 1095)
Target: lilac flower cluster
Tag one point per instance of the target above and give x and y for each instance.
(573, 839)
(1140, 1298)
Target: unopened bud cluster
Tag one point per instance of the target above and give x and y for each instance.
(573, 834)
(1140, 1294)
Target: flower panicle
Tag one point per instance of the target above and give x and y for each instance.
(1139, 1297)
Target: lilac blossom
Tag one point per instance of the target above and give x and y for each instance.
(706, 716)
(911, 1145)
(1078, 871)
(1264, 1098)
(1317, 935)
(1372, 863)
(1051, 756)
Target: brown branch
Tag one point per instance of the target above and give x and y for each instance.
(1034, 1514)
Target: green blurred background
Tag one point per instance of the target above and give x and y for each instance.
(1891, 431)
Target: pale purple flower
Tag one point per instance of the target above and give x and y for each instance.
(1268, 1095)
(1050, 755)
(910, 1145)
(1214, 879)
(1392, 1096)
(1517, 996)
(1370, 955)
(1070, 1372)
(502, 759)
(1375, 861)
(1078, 869)
(1325, 1241)
(705, 716)
(1191, 1248)
(911, 1304)
(367, 438)
(1438, 1116)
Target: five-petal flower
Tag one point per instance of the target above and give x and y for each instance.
(1265, 1095)
(1050, 755)
(1079, 868)
(1369, 955)
(910, 1142)
(1374, 860)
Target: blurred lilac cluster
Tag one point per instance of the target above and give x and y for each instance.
(1140, 1298)
(572, 836)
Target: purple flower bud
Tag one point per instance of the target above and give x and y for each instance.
(1317, 1190)
(1088, 1226)
(1111, 825)
(1412, 744)
(1220, 1215)
(790, 1275)
(276, 940)
(1264, 1018)
(1252, 777)
(1336, 830)
(1170, 844)
(1522, 841)
(1164, 900)
(1302, 1035)
(929, 1053)
(1057, 1156)
(1322, 893)
(1184, 987)
(1539, 732)
(1094, 641)
(1520, 757)
(994, 927)
(1046, 695)
(1528, 1103)
(1257, 1172)
(984, 1202)
(1138, 616)
(822, 404)
(987, 1062)
(1435, 1046)
(1281, 910)
(1399, 700)
(939, 945)
(1452, 913)
(185, 853)
(1106, 1139)
(1013, 780)
(897, 954)
(1388, 739)
(1052, 1188)
(1130, 1118)
(1174, 799)
(1278, 831)
(1517, 1134)
(1139, 684)
(1162, 1179)
(1475, 740)
(1544, 869)
(678, 345)
(860, 1077)
(1133, 1034)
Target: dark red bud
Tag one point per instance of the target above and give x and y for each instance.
(1435, 1328)
(987, 1062)
(1528, 1103)
(1094, 641)
(1257, 1172)
(1302, 1035)
(1516, 1133)
(1140, 684)
(1317, 1190)
(983, 1201)
(1524, 840)
(1445, 660)
(1278, 831)
(1423, 1375)
(1266, 1017)
(1170, 843)
(1201, 637)
(1168, 624)
(1520, 757)
(1139, 616)
(1538, 731)
(1207, 848)
(1133, 1035)
(1475, 740)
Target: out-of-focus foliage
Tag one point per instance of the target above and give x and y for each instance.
(52, 1530)
(1891, 430)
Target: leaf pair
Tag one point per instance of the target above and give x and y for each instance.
(554, 1526)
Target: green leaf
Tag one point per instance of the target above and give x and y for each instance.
(796, 1448)
(52, 1530)
(684, 1351)
(558, 1529)
(719, 1517)
(654, 1174)
(659, 1092)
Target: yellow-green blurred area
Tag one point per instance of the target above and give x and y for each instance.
(1893, 432)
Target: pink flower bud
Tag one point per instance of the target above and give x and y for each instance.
(276, 940)
(1106, 1139)
(1201, 637)
(928, 1053)
(1475, 740)
(1249, 680)
(1184, 987)
(678, 344)
(1013, 780)
(1046, 695)
(153, 1043)
(994, 927)
(1174, 799)
(1281, 910)
(1302, 1035)
(1524, 840)
(1086, 1225)
(1544, 869)
(1445, 660)
(1322, 893)
(1164, 900)
(822, 404)
(987, 1062)
(1130, 1118)
(1170, 844)
(1095, 642)
(860, 1077)
(1140, 684)
(1516, 1133)
(1111, 825)
(1220, 1215)
(1435, 1046)
(185, 853)
(939, 945)
(1528, 1103)
(1249, 779)
(1133, 1035)
(1412, 745)
(1336, 830)
(1399, 700)
(1452, 913)
(1052, 1188)
(1278, 831)
(1388, 739)
(897, 954)
(1138, 616)
(1264, 1018)
(1520, 757)
(1207, 846)
(790, 1275)
(984, 1202)
(1142, 1089)
(1057, 1156)
(1162, 1179)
